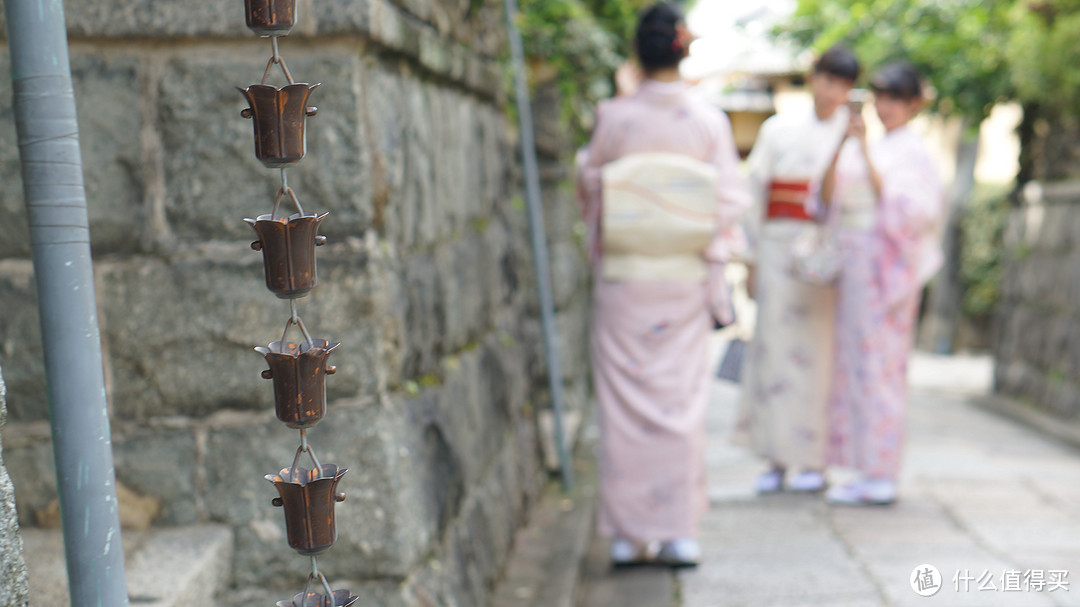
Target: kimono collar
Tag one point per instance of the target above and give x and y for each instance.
(663, 92)
(899, 132)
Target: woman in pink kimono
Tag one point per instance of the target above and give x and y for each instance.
(885, 199)
(648, 338)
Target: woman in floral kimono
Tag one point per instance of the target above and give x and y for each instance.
(885, 199)
(648, 338)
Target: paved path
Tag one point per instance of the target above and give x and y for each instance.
(982, 497)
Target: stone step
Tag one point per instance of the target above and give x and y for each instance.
(164, 567)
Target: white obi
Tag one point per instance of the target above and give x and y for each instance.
(659, 216)
(858, 205)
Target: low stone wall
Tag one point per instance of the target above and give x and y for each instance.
(1036, 340)
(427, 282)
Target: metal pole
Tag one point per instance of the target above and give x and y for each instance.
(539, 242)
(48, 137)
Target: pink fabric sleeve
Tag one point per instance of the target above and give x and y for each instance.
(911, 201)
(908, 215)
(733, 198)
(590, 173)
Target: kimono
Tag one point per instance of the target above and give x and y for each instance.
(788, 367)
(648, 340)
(891, 249)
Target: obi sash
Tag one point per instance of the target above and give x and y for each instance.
(787, 200)
(659, 216)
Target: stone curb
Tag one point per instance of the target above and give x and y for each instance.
(548, 557)
(1062, 430)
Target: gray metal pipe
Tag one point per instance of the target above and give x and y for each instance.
(539, 242)
(48, 137)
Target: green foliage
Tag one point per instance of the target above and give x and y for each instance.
(975, 52)
(960, 44)
(1044, 50)
(981, 249)
(583, 42)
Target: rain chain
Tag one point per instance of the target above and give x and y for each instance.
(298, 369)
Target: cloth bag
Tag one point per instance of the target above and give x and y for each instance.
(816, 256)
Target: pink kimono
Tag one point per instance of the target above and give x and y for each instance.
(649, 339)
(890, 250)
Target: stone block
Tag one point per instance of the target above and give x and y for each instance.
(418, 469)
(383, 524)
(568, 272)
(464, 287)
(1063, 397)
(1053, 234)
(20, 342)
(1071, 362)
(32, 468)
(470, 411)
(141, 18)
(14, 582)
(239, 451)
(411, 216)
(500, 264)
(503, 379)
(1055, 351)
(179, 336)
(1068, 281)
(108, 105)
(328, 17)
(475, 550)
(211, 174)
(430, 143)
(381, 94)
(145, 461)
(573, 338)
(422, 317)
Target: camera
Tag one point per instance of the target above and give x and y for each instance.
(856, 98)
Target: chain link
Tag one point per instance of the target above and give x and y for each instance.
(276, 59)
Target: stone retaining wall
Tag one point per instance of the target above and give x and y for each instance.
(1036, 339)
(427, 282)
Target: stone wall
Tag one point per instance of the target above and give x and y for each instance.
(14, 588)
(427, 282)
(1036, 340)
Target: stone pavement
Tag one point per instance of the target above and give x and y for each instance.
(982, 497)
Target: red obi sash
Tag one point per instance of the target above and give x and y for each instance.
(787, 200)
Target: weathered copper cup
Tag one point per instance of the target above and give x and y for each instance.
(279, 115)
(342, 598)
(288, 248)
(299, 372)
(270, 17)
(308, 499)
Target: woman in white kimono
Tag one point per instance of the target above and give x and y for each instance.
(649, 337)
(785, 385)
(886, 200)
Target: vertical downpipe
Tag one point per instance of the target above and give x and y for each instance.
(539, 243)
(48, 138)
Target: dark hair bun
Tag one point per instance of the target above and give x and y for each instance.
(657, 41)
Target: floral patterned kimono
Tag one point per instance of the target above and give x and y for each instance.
(785, 383)
(648, 340)
(890, 249)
